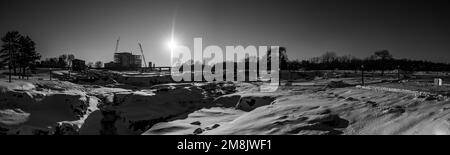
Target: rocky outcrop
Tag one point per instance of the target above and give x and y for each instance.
(35, 112)
(245, 102)
(136, 112)
(251, 102)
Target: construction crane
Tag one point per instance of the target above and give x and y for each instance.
(143, 57)
(117, 45)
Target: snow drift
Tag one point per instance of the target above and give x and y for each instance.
(29, 111)
(136, 112)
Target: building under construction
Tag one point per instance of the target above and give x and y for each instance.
(125, 61)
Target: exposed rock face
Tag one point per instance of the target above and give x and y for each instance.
(251, 102)
(65, 128)
(227, 101)
(39, 112)
(64, 108)
(136, 112)
(245, 102)
(144, 81)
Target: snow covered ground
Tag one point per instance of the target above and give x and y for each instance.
(352, 111)
(303, 107)
(30, 108)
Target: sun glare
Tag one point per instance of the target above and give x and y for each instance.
(171, 44)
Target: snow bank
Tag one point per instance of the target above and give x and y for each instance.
(419, 94)
(43, 112)
(39, 112)
(396, 90)
(197, 122)
(349, 111)
(136, 112)
(286, 117)
(16, 85)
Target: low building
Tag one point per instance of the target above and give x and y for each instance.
(110, 65)
(150, 64)
(125, 61)
(78, 65)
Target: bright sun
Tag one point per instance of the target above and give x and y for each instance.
(171, 44)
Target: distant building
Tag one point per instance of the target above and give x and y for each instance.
(110, 65)
(78, 65)
(125, 61)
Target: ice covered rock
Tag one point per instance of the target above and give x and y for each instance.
(198, 131)
(227, 101)
(136, 112)
(196, 123)
(144, 80)
(65, 128)
(34, 112)
(250, 102)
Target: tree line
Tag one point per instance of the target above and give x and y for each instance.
(62, 61)
(380, 61)
(18, 53)
(65, 61)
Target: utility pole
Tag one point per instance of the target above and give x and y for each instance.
(50, 73)
(10, 62)
(362, 75)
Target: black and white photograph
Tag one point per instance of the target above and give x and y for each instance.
(224, 67)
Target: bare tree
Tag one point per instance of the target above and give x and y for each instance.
(70, 58)
(19, 52)
(90, 64)
(28, 56)
(329, 57)
(98, 64)
(62, 60)
(383, 56)
(9, 50)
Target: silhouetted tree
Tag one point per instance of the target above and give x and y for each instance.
(28, 56)
(10, 49)
(98, 64)
(19, 52)
(63, 60)
(329, 57)
(70, 58)
(381, 61)
(90, 64)
(383, 56)
(283, 58)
